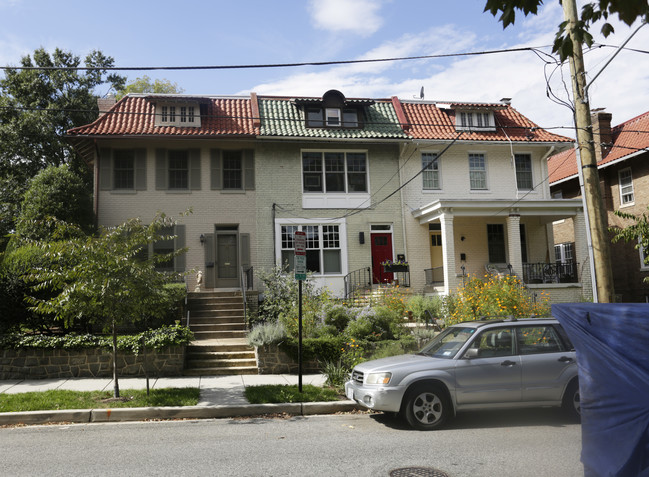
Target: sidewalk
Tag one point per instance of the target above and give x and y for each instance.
(220, 396)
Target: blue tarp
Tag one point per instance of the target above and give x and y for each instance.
(612, 344)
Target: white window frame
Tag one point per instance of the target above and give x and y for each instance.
(530, 171)
(626, 175)
(338, 199)
(333, 117)
(178, 115)
(483, 171)
(430, 174)
(474, 120)
(301, 224)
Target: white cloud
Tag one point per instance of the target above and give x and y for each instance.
(354, 16)
(623, 87)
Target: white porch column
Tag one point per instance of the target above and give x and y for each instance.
(448, 250)
(514, 244)
(581, 255)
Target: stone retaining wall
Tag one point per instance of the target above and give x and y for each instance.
(86, 363)
(272, 360)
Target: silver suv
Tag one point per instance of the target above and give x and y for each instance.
(473, 365)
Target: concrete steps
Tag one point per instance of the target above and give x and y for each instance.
(220, 346)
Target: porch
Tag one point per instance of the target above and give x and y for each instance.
(471, 238)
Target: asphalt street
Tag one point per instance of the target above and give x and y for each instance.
(517, 443)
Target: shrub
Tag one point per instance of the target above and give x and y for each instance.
(267, 333)
(491, 298)
(156, 338)
(419, 304)
(14, 272)
(337, 316)
(375, 324)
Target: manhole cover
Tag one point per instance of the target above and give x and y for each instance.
(417, 472)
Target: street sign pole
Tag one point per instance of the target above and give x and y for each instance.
(299, 239)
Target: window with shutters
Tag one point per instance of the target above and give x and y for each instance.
(178, 169)
(232, 170)
(175, 241)
(122, 170)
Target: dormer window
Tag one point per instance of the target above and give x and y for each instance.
(333, 111)
(474, 121)
(182, 115)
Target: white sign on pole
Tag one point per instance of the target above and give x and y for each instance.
(299, 239)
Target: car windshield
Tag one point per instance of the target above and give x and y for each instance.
(448, 343)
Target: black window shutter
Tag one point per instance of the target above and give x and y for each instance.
(140, 169)
(249, 168)
(161, 169)
(216, 180)
(195, 169)
(105, 169)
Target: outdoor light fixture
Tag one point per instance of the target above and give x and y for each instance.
(361, 237)
(202, 239)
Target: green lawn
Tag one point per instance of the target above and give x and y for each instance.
(278, 393)
(61, 399)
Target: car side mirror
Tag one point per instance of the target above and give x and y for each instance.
(471, 353)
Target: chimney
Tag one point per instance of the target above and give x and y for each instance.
(104, 104)
(601, 132)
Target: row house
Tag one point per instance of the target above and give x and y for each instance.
(622, 154)
(452, 188)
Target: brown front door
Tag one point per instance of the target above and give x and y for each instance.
(381, 251)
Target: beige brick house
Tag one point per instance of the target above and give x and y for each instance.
(450, 188)
(623, 166)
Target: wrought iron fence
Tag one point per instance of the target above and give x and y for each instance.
(558, 272)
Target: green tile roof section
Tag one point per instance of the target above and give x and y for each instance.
(282, 118)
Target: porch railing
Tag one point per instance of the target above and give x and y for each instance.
(434, 276)
(358, 279)
(550, 272)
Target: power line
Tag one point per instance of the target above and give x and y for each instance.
(271, 65)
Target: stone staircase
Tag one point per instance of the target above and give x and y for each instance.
(220, 346)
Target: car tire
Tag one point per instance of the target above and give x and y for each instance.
(572, 402)
(427, 407)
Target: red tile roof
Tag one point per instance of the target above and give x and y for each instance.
(429, 121)
(134, 115)
(628, 139)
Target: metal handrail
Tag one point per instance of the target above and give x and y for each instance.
(434, 276)
(360, 278)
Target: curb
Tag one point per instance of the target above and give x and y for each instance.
(184, 412)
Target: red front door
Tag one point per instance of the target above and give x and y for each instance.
(381, 251)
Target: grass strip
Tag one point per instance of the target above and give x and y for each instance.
(280, 393)
(63, 399)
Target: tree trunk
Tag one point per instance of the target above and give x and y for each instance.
(115, 381)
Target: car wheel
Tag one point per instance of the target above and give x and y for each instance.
(427, 407)
(571, 401)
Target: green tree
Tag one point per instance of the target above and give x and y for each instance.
(627, 11)
(144, 84)
(104, 278)
(637, 231)
(59, 193)
(40, 100)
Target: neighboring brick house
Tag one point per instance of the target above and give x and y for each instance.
(345, 171)
(623, 166)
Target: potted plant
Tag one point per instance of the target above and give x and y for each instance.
(390, 266)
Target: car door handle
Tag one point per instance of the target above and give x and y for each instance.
(565, 359)
(508, 363)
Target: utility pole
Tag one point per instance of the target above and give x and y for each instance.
(598, 222)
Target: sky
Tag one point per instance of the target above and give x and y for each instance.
(259, 32)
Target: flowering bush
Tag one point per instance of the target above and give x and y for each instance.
(492, 297)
